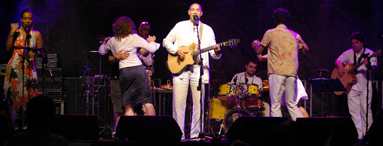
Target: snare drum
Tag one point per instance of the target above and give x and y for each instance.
(253, 90)
(251, 102)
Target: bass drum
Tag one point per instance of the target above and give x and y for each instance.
(232, 115)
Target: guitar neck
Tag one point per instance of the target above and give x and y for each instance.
(212, 47)
(377, 53)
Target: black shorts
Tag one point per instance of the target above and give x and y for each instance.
(134, 86)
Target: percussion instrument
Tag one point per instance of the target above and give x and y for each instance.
(265, 84)
(226, 89)
(217, 109)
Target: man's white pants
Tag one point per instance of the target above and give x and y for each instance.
(180, 92)
(357, 103)
(279, 86)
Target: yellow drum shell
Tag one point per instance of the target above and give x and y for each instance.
(217, 109)
(224, 89)
(253, 90)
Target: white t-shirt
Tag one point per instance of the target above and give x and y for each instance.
(184, 33)
(129, 44)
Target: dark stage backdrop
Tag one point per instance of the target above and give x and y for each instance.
(72, 28)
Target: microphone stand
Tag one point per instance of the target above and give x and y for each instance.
(24, 59)
(369, 77)
(200, 86)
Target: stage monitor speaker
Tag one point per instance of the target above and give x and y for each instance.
(376, 131)
(148, 129)
(6, 129)
(77, 127)
(324, 132)
(260, 131)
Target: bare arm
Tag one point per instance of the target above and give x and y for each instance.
(302, 44)
(262, 57)
(257, 46)
(11, 36)
(39, 40)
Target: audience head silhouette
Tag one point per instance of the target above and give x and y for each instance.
(40, 113)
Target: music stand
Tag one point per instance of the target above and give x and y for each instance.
(323, 85)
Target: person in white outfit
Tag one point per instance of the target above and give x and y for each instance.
(184, 33)
(357, 95)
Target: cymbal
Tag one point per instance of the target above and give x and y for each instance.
(93, 51)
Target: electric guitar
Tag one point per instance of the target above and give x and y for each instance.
(347, 76)
(177, 64)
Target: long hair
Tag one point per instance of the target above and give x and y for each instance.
(123, 27)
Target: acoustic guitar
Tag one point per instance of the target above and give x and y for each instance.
(176, 64)
(347, 76)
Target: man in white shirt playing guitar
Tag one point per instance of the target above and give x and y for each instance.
(361, 58)
(183, 34)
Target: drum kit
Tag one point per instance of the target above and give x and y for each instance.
(235, 101)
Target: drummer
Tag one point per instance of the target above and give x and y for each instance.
(248, 77)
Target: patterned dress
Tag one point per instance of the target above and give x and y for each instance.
(17, 91)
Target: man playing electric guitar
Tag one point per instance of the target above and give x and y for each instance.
(358, 91)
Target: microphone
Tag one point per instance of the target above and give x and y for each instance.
(27, 28)
(195, 19)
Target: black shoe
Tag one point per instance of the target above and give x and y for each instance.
(361, 142)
